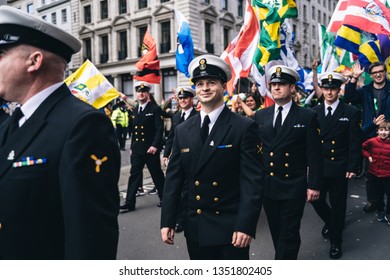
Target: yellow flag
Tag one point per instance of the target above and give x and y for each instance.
(89, 85)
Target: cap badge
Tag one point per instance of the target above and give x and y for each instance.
(330, 77)
(202, 64)
(142, 86)
(181, 90)
(278, 72)
(98, 162)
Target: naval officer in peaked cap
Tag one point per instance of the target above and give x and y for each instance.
(59, 159)
(291, 151)
(216, 155)
(341, 149)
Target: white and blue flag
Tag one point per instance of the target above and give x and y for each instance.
(185, 48)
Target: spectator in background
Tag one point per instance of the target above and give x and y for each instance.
(120, 120)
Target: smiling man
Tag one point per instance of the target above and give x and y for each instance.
(216, 156)
(341, 146)
(292, 160)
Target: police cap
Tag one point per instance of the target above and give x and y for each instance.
(206, 66)
(142, 86)
(331, 80)
(184, 92)
(18, 27)
(283, 74)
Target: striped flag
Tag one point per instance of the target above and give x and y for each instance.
(338, 16)
(89, 85)
(348, 38)
(185, 47)
(239, 53)
(369, 15)
(149, 65)
(369, 52)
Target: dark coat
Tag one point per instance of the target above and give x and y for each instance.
(147, 129)
(292, 158)
(63, 208)
(365, 97)
(175, 123)
(223, 177)
(340, 139)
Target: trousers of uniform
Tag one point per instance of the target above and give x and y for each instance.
(380, 187)
(121, 134)
(284, 220)
(333, 214)
(138, 162)
(219, 252)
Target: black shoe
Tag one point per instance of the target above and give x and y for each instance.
(369, 207)
(335, 252)
(159, 204)
(179, 228)
(153, 191)
(325, 231)
(127, 207)
(139, 193)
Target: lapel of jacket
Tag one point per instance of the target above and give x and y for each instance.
(321, 118)
(20, 140)
(217, 134)
(288, 124)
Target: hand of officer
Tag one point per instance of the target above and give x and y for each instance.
(241, 240)
(165, 161)
(350, 175)
(152, 150)
(312, 195)
(167, 235)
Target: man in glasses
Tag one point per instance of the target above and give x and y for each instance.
(375, 102)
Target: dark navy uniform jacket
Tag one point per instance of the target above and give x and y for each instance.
(59, 176)
(292, 158)
(223, 176)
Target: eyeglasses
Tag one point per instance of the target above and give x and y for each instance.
(377, 72)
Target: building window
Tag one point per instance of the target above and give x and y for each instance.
(319, 17)
(87, 47)
(165, 44)
(324, 19)
(122, 5)
(207, 1)
(226, 37)
(313, 32)
(103, 9)
(313, 13)
(127, 85)
(142, 4)
(122, 53)
(163, 1)
(224, 5)
(304, 12)
(30, 8)
(169, 81)
(44, 17)
(43, 2)
(64, 17)
(53, 18)
(209, 44)
(87, 14)
(141, 34)
(104, 49)
(240, 8)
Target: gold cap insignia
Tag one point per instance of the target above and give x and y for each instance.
(98, 162)
(202, 64)
(278, 72)
(142, 86)
(181, 90)
(330, 77)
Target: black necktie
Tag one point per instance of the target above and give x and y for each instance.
(140, 110)
(329, 115)
(14, 121)
(205, 128)
(278, 121)
(182, 118)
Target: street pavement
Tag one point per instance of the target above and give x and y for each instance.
(364, 237)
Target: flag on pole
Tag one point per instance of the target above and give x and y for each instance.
(369, 52)
(149, 65)
(89, 85)
(338, 16)
(369, 15)
(348, 38)
(239, 53)
(271, 15)
(329, 58)
(185, 47)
